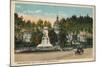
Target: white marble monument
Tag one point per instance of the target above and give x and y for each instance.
(45, 39)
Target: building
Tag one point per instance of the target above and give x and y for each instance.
(27, 36)
(56, 25)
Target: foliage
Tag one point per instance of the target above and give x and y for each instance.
(66, 25)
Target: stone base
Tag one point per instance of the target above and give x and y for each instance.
(44, 45)
(46, 49)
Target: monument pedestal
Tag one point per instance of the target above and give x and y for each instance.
(45, 43)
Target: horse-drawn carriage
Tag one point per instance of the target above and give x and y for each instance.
(79, 51)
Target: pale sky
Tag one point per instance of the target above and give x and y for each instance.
(49, 12)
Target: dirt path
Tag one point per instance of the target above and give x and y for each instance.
(47, 56)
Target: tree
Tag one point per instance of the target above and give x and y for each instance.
(18, 21)
(36, 37)
(40, 24)
(52, 36)
(28, 25)
(63, 39)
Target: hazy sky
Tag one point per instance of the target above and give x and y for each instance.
(51, 11)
